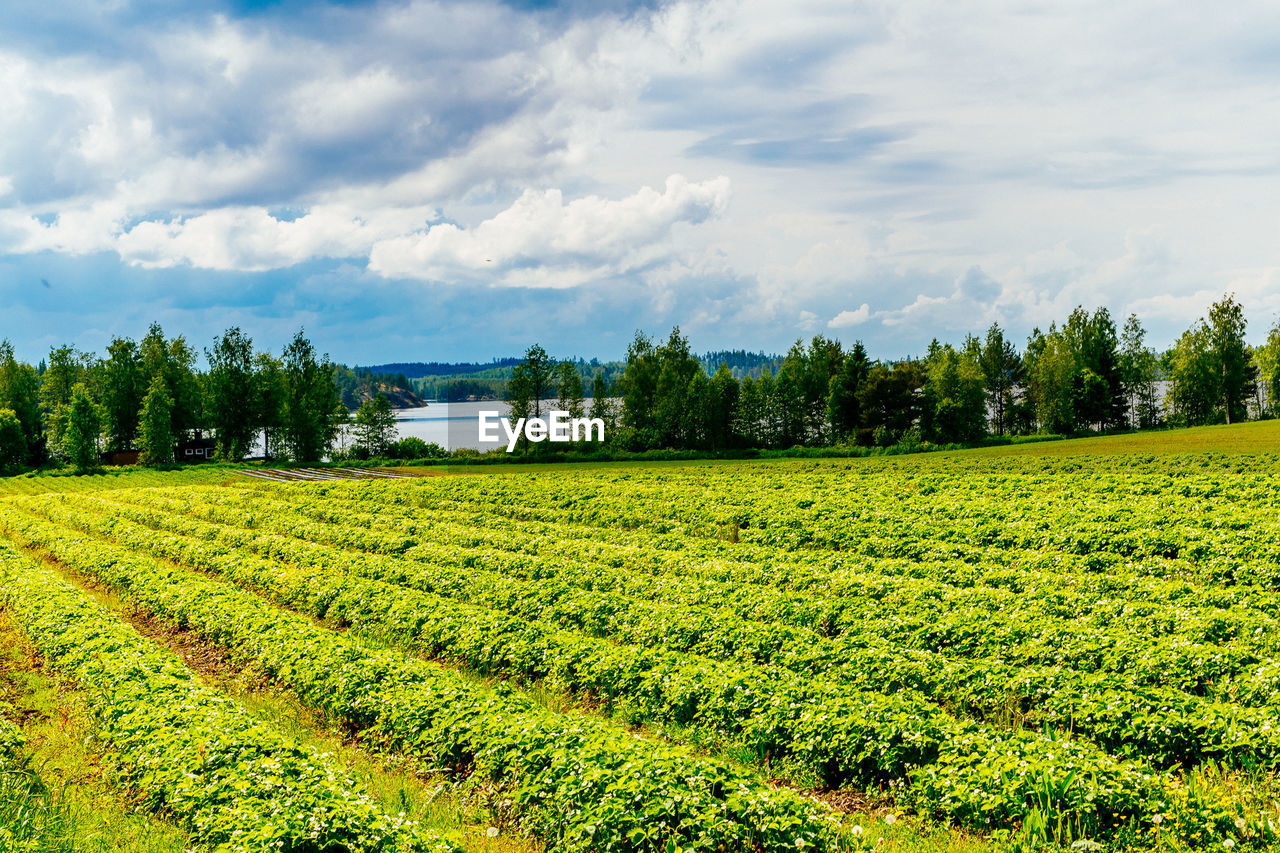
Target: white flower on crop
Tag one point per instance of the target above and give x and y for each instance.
(492, 832)
(857, 829)
(891, 818)
(1157, 819)
(1228, 843)
(1240, 824)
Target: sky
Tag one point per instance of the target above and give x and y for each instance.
(447, 181)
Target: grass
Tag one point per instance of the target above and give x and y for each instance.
(1248, 437)
(464, 813)
(394, 783)
(63, 802)
(113, 478)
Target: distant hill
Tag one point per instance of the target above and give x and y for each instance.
(355, 385)
(487, 380)
(420, 369)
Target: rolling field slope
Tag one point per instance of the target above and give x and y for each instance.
(988, 649)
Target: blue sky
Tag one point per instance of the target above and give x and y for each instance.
(456, 180)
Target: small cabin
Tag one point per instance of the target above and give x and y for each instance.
(197, 448)
(120, 457)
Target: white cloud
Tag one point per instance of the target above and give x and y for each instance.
(250, 238)
(849, 319)
(542, 241)
(1114, 154)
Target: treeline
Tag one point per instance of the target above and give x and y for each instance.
(147, 396)
(420, 369)
(1085, 375)
(490, 383)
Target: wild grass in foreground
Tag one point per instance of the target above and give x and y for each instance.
(60, 801)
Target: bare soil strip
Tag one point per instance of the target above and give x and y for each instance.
(294, 475)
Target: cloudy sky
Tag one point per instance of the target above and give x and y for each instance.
(455, 180)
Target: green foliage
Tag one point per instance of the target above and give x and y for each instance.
(1232, 359)
(122, 390)
(228, 393)
(270, 390)
(1003, 373)
(20, 393)
(155, 426)
(83, 426)
(375, 425)
(580, 784)
(1266, 359)
(1194, 380)
(955, 408)
(568, 383)
(1139, 371)
(844, 408)
(311, 406)
(13, 443)
(173, 361)
(234, 783)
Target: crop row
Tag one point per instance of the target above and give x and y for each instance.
(849, 737)
(683, 616)
(576, 783)
(1162, 726)
(234, 783)
(403, 523)
(1170, 509)
(1152, 610)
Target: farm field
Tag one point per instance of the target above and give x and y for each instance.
(965, 651)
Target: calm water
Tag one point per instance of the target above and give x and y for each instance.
(453, 425)
(450, 425)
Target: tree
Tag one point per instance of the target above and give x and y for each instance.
(375, 425)
(1193, 377)
(20, 393)
(13, 442)
(122, 391)
(311, 401)
(821, 362)
(1232, 359)
(155, 424)
(750, 418)
(676, 368)
(1094, 346)
(1139, 370)
(955, 395)
(1002, 373)
(229, 393)
(83, 426)
(65, 369)
(539, 372)
(722, 409)
(174, 361)
(891, 397)
(1266, 360)
(1051, 366)
(568, 383)
(270, 391)
(602, 402)
(787, 405)
(844, 407)
(520, 397)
